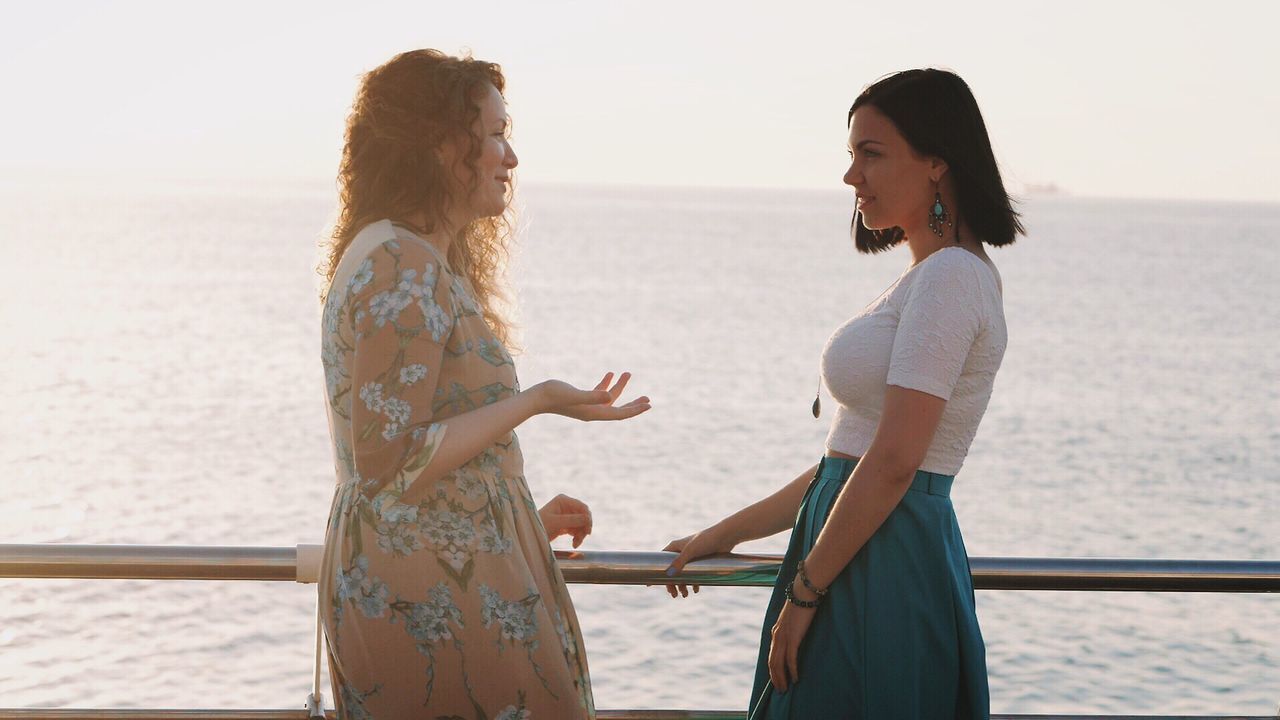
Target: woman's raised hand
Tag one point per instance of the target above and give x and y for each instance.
(711, 541)
(561, 398)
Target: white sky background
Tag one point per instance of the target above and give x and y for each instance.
(1123, 99)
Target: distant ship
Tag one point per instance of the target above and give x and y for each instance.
(1043, 189)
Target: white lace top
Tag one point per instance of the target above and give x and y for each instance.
(939, 329)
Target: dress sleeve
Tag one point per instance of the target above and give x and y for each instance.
(403, 316)
(941, 317)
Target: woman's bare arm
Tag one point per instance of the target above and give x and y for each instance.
(878, 483)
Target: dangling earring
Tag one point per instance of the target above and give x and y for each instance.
(817, 399)
(938, 215)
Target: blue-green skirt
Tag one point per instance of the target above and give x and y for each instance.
(897, 636)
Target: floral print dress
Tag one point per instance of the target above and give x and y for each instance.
(440, 597)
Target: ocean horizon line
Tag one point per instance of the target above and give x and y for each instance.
(12, 179)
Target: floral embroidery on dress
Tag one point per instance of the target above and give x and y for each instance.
(354, 702)
(368, 594)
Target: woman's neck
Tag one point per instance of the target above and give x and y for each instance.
(924, 242)
(440, 235)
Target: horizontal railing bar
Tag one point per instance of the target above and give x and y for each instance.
(998, 573)
(152, 714)
(301, 564)
(148, 562)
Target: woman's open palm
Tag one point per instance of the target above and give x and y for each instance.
(571, 402)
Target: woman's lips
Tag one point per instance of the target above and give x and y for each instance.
(864, 201)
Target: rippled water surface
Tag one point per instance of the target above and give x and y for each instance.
(162, 385)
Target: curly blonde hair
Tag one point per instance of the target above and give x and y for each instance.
(404, 111)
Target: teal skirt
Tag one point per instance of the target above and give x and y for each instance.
(897, 636)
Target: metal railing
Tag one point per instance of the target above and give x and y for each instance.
(302, 564)
(602, 715)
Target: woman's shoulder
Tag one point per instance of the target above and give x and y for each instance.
(384, 255)
(956, 271)
(387, 237)
(419, 245)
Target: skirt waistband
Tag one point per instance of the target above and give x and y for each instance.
(839, 469)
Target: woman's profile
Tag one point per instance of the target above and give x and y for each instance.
(872, 615)
(439, 592)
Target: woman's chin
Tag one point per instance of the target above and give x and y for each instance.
(490, 209)
(870, 222)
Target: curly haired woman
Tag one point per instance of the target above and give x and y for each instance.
(439, 590)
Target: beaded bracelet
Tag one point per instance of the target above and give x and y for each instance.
(804, 578)
(791, 597)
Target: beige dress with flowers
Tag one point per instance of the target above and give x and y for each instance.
(440, 598)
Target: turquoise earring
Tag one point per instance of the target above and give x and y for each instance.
(938, 215)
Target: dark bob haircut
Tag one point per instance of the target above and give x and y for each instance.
(936, 112)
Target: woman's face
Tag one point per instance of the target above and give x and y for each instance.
(489, 176)
(894, 184)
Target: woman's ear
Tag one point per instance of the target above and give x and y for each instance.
(937, 169)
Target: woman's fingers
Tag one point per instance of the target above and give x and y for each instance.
(673, 546)
(574, 521)
(571, 516)
(677, 546)
(609, 412)
(682, 558)
(586, 528)
(616, 390)
(629, 411)
(558, 524)
(793, 661)
(776, 674)
(681, 590)
(596, 397)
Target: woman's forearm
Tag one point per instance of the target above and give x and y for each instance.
(771, 515)
(468, 434)
(866, 500)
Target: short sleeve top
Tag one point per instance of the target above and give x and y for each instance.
(939, 329)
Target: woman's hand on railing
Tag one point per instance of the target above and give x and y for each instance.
(561, 398)
(711, 541)
(564, 515)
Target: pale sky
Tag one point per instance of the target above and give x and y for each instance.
(1120, 99)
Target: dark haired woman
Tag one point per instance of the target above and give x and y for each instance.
(439, 591)
(872, 615)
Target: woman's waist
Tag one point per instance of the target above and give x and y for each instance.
(838, 467)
